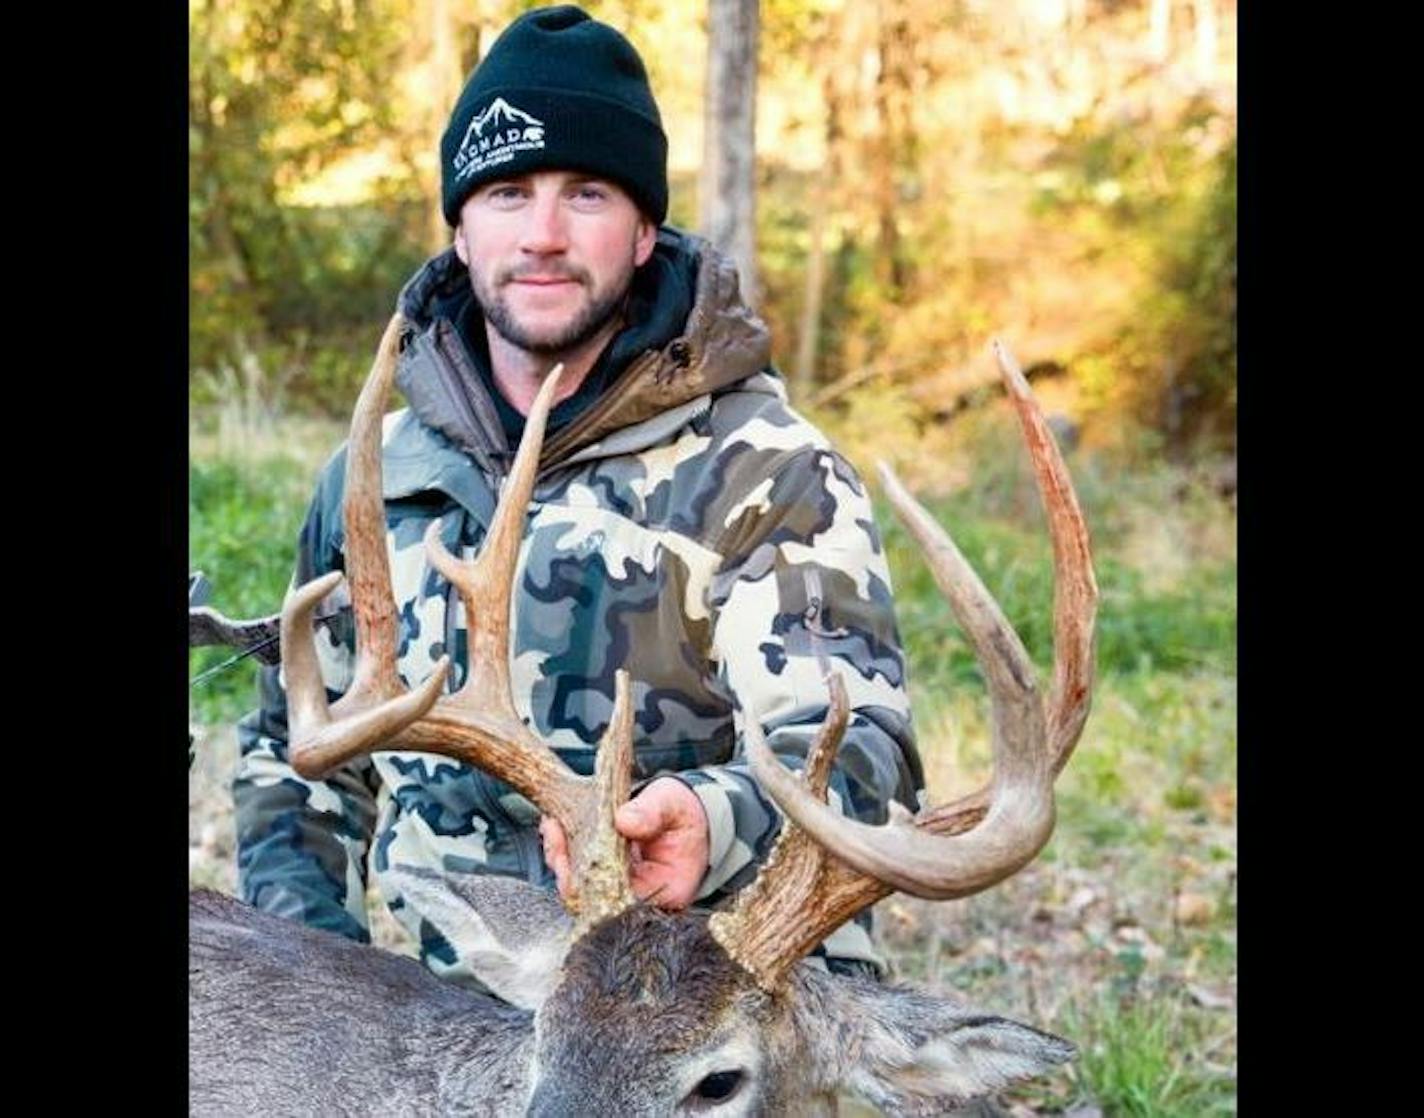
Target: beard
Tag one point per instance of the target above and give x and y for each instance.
(602, 306)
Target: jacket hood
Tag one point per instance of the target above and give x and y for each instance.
(692, 335)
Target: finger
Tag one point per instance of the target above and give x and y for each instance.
(668, 887)
(637, 820)
(553, 837)
(664, 805)
(556, 852)
(562, 878)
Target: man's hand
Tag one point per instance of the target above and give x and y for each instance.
(667, 831)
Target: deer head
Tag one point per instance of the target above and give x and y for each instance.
(640, 1012)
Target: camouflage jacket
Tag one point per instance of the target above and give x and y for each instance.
(688, 526)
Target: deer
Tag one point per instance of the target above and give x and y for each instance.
(604, 1004)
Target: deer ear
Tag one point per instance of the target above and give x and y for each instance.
(510, 933)
(915, 1052)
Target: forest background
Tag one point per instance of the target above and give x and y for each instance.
(927, 174)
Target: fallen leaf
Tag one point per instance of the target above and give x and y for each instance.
(1193, 909)
(1082, 897)
(903, 919)
(1188, 865)
(1221, 802)
(1139, 938)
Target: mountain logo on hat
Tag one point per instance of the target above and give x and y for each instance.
(495, 136)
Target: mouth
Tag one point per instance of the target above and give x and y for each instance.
(544, 281)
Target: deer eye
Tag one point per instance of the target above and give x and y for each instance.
(717, 1087)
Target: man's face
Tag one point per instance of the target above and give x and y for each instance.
(551, 256)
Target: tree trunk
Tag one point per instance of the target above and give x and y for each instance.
(727, 193)
(891, 146)
(827, 53)
(446, 80)
(810, 329)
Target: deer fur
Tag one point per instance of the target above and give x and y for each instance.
(627, 1020)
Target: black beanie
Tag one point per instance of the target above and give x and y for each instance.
(557, 91)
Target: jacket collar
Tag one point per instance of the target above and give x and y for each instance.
(721, 341)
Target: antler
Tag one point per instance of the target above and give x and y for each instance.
(478, 724)
(827, 867)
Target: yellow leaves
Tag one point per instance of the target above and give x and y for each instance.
(245, 68)
(347, 181)
(355, 112)
(314, 90)
(1107, 191)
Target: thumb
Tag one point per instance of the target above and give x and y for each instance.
(637, 821)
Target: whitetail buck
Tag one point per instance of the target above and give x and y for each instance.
(616, 1008)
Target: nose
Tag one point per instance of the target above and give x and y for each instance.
(544, 231)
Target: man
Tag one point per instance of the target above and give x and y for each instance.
(686, 526)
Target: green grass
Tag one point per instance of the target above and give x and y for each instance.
(243, 522)
(1148, 1059)
(1142, 624)
(1157, 749)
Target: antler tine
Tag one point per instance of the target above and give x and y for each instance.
(600, 864)
(791, 905)
(363, 512)
(318, 743)
(969, 845)
(1075, 594)
(1075, 589)
(376, 704)
(486, 585)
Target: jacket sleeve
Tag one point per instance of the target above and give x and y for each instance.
(803, 586)
(301, 844)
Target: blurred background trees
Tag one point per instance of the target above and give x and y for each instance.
(927, 173)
